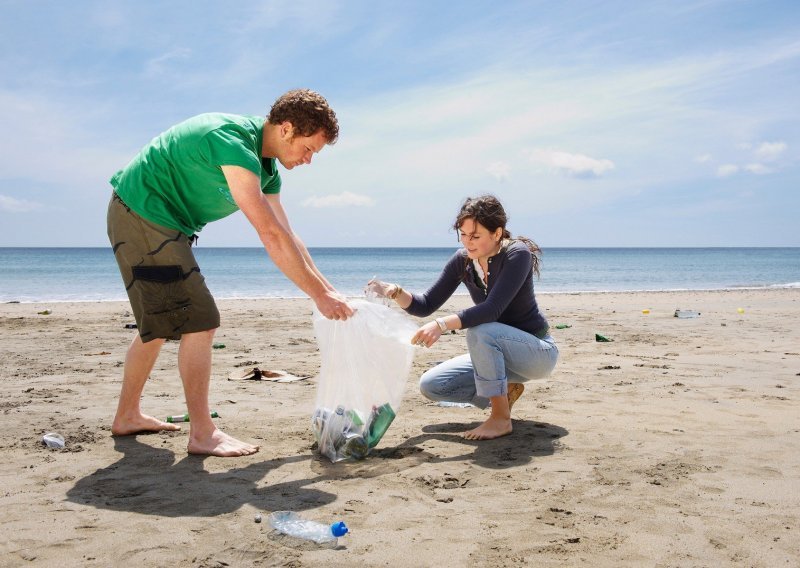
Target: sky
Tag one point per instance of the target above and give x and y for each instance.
(598, 124)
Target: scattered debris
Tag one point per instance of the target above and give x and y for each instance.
(53, 440)
(256, 374)
(686, 314)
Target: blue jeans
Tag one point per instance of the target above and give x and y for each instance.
(498, 354)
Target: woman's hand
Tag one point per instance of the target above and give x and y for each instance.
(427, 335)
(380, 288)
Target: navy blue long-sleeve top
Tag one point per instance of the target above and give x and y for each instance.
(508, 297)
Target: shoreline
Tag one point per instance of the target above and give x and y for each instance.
(676, 443)
(788, 286)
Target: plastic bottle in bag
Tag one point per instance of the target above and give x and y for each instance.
(292, 524)
(345, 433)
(379, 421)
(365, 364)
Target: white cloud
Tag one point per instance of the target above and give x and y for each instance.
(160, 64)
(726, 170)
(344, 199)
(702, 159)
(577, 165)
(758, 169)
(13, 205)
(499, 170)
(770, 151)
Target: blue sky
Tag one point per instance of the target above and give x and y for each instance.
(597, 123)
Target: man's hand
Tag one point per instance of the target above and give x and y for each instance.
(333, 305)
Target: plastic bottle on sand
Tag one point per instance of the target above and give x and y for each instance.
(292, 524)
(53, 440)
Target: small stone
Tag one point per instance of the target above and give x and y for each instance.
(258, 518)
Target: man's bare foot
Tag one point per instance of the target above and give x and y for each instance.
(142, 423)
(492, 428)
(222, 445)
(515, 391)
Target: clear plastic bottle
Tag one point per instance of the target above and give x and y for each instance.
(292, 524)
(53, 440)
(448, 404)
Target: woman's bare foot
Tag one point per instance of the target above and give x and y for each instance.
(222, 445)
(515, 391)
(493, 428)
(125, 426)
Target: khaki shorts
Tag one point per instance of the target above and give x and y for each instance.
(168, 295)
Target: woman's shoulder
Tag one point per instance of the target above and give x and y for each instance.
(457, 262)
(518, 253)
(515, 246)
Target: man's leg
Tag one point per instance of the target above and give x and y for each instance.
(194, 364)
(139, 363)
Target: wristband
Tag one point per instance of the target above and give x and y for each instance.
(397, 291)
(441, 324)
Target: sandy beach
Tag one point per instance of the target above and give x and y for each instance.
(675, 444)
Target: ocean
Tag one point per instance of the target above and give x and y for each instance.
(90, 274)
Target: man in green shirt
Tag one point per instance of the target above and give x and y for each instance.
(198, 171)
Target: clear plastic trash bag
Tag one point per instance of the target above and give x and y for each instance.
(365, 364)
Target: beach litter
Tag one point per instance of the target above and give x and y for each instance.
(365, 363)
(686, 314)
(130, 326)
(256, 374)
(645, 311)
(53, 440)
(563, 326)
(601, 338)
(185, 417)
(44, 313)
(218, 346)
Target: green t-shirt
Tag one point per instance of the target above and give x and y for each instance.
(176, 180)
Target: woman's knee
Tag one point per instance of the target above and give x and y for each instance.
(429, 384)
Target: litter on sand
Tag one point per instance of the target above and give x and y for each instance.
(686, 314)
(53, 440)
(601, 338)
(256, 374)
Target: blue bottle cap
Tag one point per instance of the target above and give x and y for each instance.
(339, 529)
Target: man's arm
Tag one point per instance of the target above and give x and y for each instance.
(279, 243)
(274, 200)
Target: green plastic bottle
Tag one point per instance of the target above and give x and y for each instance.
(380, 420)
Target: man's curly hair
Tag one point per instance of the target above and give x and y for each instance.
(308, 111)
